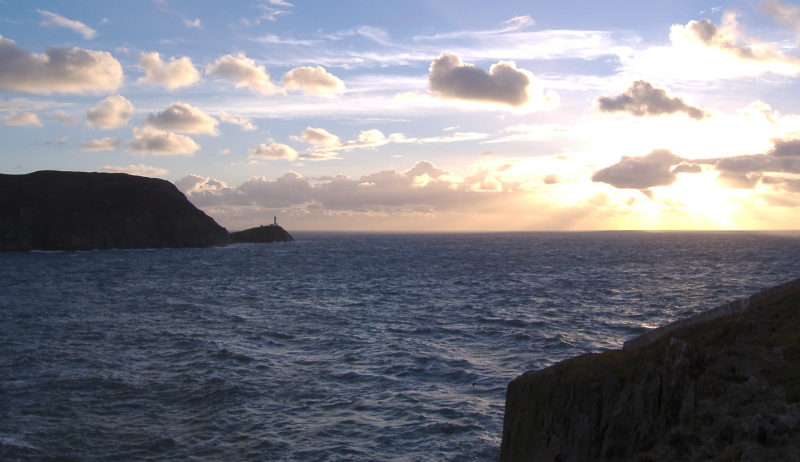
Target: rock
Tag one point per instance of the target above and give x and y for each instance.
(262, 234)
(722, 389)
(51, 210)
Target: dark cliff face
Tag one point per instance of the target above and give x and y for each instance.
(726, 389)
(52, 210)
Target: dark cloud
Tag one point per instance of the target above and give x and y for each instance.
(503, 84)
(687, 168)
(640, 172)
(785, 148)
(552, 179)
(744, 172)
(642, 99)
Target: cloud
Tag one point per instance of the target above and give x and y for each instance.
(56, 142)
(519, 22)
(702, 50)
(641, 99)
(112, 112)
(745, 171)
(313, 81)
(320, 137)
(181, 117)
(193, 184)
(103, 144)
(541, 132)
(139, 170)
(174, 74)
(22, 119)
(57, 70)
(192, 23)
(551, 179)
(504, 84)
(783, 13)
(274, 151)
(243, 72)
(727, 38)
(759, 110)
(52, 19)
(640, 172)
(245, 122)
(458, 136)
(370, 139)
(63, 117)
(423, 190)
(150, 140)
(324, 143)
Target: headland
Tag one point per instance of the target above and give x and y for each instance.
(53, 210)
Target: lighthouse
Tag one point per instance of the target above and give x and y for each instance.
(275, 220)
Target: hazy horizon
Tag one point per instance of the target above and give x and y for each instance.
(416, 117)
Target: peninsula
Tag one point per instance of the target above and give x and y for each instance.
(53, 210)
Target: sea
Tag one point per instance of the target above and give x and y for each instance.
(335, 347)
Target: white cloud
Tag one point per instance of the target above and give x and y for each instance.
(702, 50)
(174, 74)
(22, 119)
(320, 137)
(157, 142)
(52, 19)
(181, 117)
(193, 184)
(193, 23)
(103, 144)
(504, 84)
(243, 72)
(642, 99)
(139, 170)
(518, 22)
(245, 122)
(524, 132)
(458, 136)
(57, 70)
(313, 81)
(274, 151)
(759, 110)
(112, 112)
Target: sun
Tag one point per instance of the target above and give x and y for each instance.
(700, 196)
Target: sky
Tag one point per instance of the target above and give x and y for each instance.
(419, 116)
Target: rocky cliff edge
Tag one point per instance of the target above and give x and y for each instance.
(722, 389)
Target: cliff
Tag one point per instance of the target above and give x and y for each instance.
(51, 210)
(717, 389)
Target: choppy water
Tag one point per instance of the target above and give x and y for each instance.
(334, 347)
